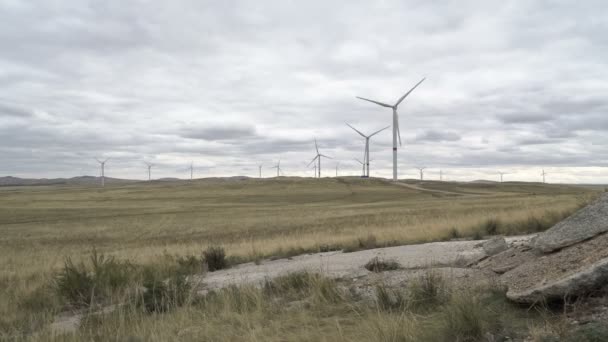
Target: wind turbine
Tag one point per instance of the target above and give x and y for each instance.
(191, 170)
(366, 153)
(260, 169)
(421, 172)
(396, 131)
(149, 170)
(337, 164)
(440, 175)
(363, 166)
(502, 174)
(544, 174)
(278, 167)
(318, 158)
(103, 167)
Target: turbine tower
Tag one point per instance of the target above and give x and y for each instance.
(366, 153)
(440, 175)
(502, 174)
(149, 165)
(396, 131)
(103, 167)
(363, 167)
(337, 164)
(544, 174)
(260, 169)
(278, 167)
(318, 158)
(191, 170)
(421, 169)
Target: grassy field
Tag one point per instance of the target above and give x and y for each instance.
(251, 219)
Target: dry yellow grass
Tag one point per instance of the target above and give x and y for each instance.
(40, 226)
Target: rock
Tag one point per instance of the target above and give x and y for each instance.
(576, 284)
(495, 246)
(586, 223)
(571, 271)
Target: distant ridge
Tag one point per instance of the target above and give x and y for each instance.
(80, 180)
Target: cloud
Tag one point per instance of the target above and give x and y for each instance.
(230, 85)
(438, 136)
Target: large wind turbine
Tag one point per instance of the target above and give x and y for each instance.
(149, 165)
(103, 167)
(396, 131)
(278, 167)
(318, 158)
(366, 154)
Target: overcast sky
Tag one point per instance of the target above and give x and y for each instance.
(515, 86)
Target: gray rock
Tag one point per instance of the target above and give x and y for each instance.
(576, 284)
(586, 223)
(495, 246)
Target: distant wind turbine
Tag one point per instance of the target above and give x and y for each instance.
(421, 169)
(260, 169)
(363, 167)
(544, 174)
(103, 167)
(502, 174)
(396, 131)
(366, 153)
(149, 165)
(337, 165)
(440, 175)
(278, 167)
(318, 158)
(191, 170)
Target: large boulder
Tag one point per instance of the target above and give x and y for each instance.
(495, 246)
(571, 271)
(584, 224)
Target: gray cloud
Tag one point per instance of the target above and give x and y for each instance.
(231, 84)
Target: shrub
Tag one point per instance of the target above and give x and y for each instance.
(379, 265)
(389, 299)
(187, 265)
(465, 318)
(454, 233)
(82, 286)
(427, 290)
(491, 226)
(75, 284)
(161, 296)
(215, 257)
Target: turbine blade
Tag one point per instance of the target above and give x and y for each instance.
(322, 155)
(316, 147)
(354, 129)
(378, 131)
(376, 102)
(398, 130)
(411, 90)
(313, 160)
(360, 162)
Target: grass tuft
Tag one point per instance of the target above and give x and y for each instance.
(215, 258)
(377, 265)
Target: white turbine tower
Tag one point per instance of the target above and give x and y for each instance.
(337, 164)
(396, 131)
(278, 167)
(421, 169)
(366, 153)
(103, 171)
(362, 166)
(440, 175)
(318, 158)
(191, 170)
(544, 174)
(260, 170)
(149, 165)
(502, 174)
